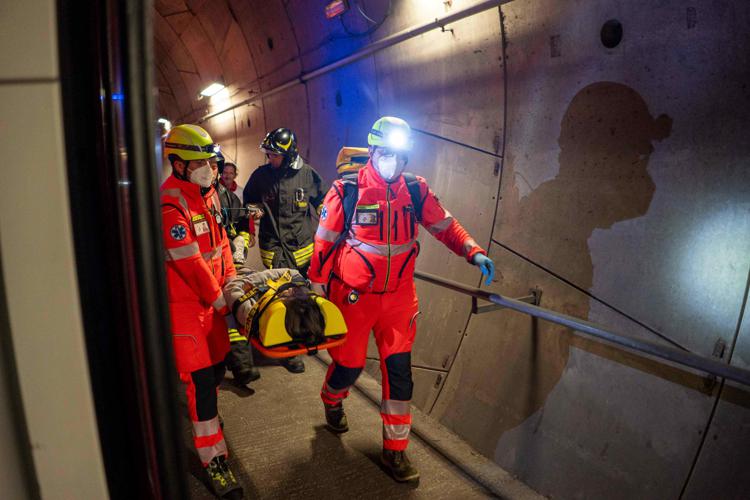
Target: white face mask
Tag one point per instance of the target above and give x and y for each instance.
(203, 176)
(387, 167)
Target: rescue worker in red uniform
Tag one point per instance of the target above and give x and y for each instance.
(368, 273)
(198, 263)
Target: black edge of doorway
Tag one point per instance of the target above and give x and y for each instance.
(104, 48)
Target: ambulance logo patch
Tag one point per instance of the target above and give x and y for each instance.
(324, 213)
(178, 232)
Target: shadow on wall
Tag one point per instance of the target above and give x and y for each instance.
(605, 141)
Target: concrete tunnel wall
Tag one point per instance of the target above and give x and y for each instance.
(614, 179)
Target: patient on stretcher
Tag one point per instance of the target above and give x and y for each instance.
(277, 308)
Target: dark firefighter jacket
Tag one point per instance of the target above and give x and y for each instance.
(288, 196)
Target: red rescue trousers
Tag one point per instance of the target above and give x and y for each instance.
(201, 385)
(392, 317)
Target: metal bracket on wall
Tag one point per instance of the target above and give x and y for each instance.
(719, 348)
(534, 298)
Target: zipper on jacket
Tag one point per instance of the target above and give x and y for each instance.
(381, 228)
(211, 234)
(395, 225)
(388, 235)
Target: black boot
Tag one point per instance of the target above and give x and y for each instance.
(294, 365)
(222, 479)
(336, 418)
(240, 362)
(399, 466)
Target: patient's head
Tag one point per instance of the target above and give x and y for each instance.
(304, 321)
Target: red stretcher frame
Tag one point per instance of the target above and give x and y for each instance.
(286, 351)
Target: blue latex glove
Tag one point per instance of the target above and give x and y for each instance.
(486, 265)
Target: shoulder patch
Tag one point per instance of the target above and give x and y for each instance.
(178, 232)
(324, 213)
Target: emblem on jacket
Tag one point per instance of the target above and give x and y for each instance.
(178, 232)
(324, 213)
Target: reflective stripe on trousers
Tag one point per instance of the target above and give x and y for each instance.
(209, 440)
(396, 417)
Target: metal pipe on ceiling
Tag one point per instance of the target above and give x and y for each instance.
(685, 358)
(377, 46)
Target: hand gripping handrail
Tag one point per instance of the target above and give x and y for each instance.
(686, 358)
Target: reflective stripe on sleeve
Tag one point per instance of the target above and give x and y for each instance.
(380, 249)
(207, 256)
(267, 257)
(219, 303)
(183, 252)
(176, 193)
(441, 225)
(235, 336)
(303, 255)
(326, 234)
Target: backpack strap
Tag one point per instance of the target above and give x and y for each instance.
(412, 184)
(348, 198)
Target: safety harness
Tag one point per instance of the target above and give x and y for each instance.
(349, 198)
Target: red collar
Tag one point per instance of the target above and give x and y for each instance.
(232, 187)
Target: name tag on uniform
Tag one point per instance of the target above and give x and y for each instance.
(366, 216)
(201, 227)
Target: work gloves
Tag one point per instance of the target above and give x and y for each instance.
(485, 265)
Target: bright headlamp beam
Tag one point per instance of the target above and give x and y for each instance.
(212, 89)
(396, 140)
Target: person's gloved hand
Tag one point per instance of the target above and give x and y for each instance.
(485, 265)
(319, 289)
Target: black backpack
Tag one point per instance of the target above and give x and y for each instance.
(349, 203)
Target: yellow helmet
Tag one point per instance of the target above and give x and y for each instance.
(189, 142)
(392, 133)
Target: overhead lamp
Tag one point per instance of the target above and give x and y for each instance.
(212, 89)
(167, 124)
(336, 8)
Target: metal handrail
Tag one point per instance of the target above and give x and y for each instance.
(708, 365)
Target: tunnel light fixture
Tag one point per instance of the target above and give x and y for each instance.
(212, 89)
(166, 123)
(336, 8)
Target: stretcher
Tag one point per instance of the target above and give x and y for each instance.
(269, 335)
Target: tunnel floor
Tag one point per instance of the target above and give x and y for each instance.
(281, 449)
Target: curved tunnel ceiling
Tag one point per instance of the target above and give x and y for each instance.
(611, 174)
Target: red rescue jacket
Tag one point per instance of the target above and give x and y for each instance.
(198, 257)
(381, 248)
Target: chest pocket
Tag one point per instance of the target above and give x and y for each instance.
(367, 215)
(200, 225)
